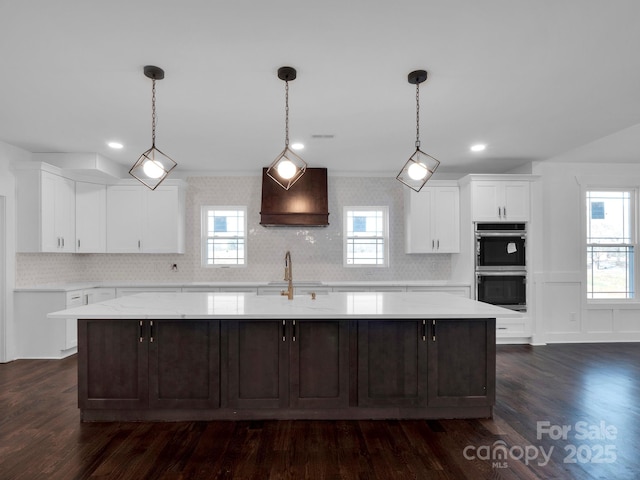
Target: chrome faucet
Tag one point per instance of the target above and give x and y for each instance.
(288, 276)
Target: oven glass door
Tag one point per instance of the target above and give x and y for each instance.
(506, 290)
(501, 252)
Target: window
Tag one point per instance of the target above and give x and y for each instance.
(611, 244)
(366, 239)
(224, 236)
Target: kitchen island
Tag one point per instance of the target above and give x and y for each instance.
(208, 356)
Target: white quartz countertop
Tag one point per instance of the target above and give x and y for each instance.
(71, 286)
(218, 305)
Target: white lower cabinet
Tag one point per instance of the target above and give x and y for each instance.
(41, 337)
(125, 291)
(460, 291)
(509, 330)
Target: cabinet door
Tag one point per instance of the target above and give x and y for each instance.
(462, 365)
(184, 364)
(124, 219)
(112, 364)
(65, 216)
(392, 363)
(445, 220)
(319, 367)
(486, 198)
(50, 239)
(418, 232)
(91, 218)
(258, 364)
(163, 230)
(516, 201)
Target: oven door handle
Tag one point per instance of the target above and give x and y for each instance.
(501, 234)
(502, 273)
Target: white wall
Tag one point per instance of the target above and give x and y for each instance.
(8, 154)
(564, 314)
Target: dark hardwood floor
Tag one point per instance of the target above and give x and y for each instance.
(592, 391)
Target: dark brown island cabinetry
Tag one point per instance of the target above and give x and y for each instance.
(288, 364)
(392, 363)
(309, 368)
(143, 364)
(462, 362)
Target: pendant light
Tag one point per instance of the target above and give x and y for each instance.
(420, 166)
(288, 167)
(153, 166)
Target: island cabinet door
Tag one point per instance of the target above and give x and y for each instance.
(112, 364)
(258, 354)
(319, 364)
(392, 363)
(462, 368)
(184, 364)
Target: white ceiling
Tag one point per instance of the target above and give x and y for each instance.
(531, 79)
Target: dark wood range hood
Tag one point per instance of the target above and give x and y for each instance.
(305, 204)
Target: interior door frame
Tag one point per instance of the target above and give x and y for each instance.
(3, 279)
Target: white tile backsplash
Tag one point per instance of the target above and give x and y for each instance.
(316, 252)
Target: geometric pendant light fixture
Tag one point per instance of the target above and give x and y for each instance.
(288, 167)
(153, 166)
(420, 166)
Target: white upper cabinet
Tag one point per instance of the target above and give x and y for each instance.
(140, 220)
(500, 200)
(91, 218)
(45, 210)
(163, 220)
(124, 219)
(432, 219)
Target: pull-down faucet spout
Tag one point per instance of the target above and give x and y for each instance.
(288, 276)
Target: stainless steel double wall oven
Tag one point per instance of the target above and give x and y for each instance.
(501, 264)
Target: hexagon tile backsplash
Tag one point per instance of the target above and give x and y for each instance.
(317, 252)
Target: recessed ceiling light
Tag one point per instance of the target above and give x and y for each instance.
(479, 147)
(297, 146)
(115, 145)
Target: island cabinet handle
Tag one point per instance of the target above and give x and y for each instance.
(293, 337)
(141, 332)
(433, 331)
(151, 332)
(284, 331)
(424, 330)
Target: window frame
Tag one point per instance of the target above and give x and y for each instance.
(385, 236)
(633, 231)
(204, 237)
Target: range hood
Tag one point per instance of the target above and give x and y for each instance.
(305, 204)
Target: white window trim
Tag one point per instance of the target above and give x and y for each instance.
(203, 235)
(591, 184)
(385, 219)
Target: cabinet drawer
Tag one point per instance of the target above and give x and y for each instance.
(75, 299)
(511, 329)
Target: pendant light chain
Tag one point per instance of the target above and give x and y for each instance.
(286, 113)
(417, 115)
(153, 112)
